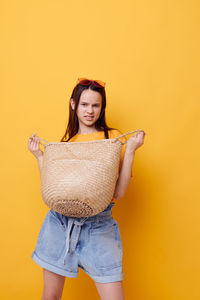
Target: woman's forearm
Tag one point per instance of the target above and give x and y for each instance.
(40, 162)
(124, 175)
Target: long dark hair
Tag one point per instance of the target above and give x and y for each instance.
(73, 124)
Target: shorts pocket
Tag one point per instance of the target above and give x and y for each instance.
(105, 243)
(51, 238)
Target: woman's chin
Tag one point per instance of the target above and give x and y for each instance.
(91, 122)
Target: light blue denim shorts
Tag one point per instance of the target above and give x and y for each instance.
(94, 244)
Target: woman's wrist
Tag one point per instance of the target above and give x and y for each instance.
(40, 161)
(130, 152)
(39, 156)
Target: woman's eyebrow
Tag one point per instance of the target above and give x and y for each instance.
(83, 101)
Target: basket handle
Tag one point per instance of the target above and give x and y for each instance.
(44, 141)
(114, 140)
(126, 134)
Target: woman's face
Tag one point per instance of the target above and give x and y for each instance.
(89, 108)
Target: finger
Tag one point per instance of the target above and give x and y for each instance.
(32, 137)
(34, 134)
(142, 133)
(34, 143)
(31, 140)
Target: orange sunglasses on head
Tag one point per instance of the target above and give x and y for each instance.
(85, 81)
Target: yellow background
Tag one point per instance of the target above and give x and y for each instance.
(147, 52)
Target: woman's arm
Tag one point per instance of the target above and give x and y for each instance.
(40, 162)
(124, 174)
(33, 146)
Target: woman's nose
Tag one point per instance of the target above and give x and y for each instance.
(90, 109)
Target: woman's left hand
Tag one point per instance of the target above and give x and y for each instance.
(134, 142)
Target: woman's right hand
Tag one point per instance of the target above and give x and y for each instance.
(33, 145)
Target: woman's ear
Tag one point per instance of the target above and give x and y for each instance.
(72, 103)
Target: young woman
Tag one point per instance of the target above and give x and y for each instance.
(94, 244)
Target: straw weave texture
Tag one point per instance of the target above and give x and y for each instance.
(78, 178)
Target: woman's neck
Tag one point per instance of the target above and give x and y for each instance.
(87, 132)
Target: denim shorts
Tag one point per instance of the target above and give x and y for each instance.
(94, 244)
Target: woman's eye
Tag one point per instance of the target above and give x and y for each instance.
(97, 105)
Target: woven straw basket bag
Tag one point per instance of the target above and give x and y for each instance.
(78, 178)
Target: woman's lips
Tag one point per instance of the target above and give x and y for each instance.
(89, 118)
